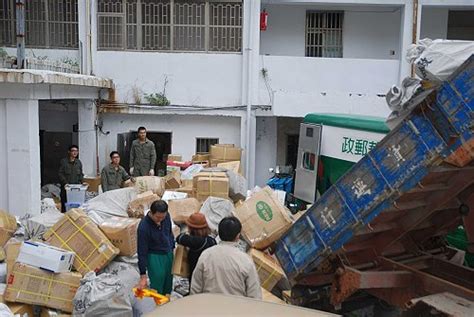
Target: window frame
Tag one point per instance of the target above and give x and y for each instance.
(208, 145)
(323, 29)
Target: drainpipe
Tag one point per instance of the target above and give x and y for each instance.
(414, 30)
(249, 87)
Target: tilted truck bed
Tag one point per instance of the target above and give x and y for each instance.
(395, 203)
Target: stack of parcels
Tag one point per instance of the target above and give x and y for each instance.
(173, 180)
(122, 232)
(154, 184)
(202, 159)
(223, 153)
(211, 184)
(268, 269)
(8, 227)
(175, 157)
(264, 218)
(233, 166)
(77, 232)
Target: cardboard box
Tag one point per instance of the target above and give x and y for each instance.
(3, 255)
(186, 183)
(45, 257)
(12, 249)
(172, 180)
(268, 269)
(78, 233)
(93, 182)
(180, 262)
(269, 297)
(201, 158)
(264, 219)
(225, 153)
(150, 183)
(225, 145)
(207, 174)
(8, 227)
(22, 310)
(187, 190)
(138, 206)
(175, 157)
(212, 186)
(233, 166)
(181, 209)
(31, 285)
(122, 232)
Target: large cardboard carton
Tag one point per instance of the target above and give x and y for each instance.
(212, 186)
(207, 174)
(8, 226)
(12, 249)
(180, 262)
(21, 310)
(172, 180)
(264, 219)
(268, 269)
(138, 206)
(225, 153)
(181, 209)
(31, 285)
(93, 183)
(201, 158)
(122, 232)
(269, 297)
(78, 233)
(233, 166)
(175, 157)
(45, 257)
(150, 183)
(225, 145)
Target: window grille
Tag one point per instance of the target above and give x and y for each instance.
(324, 34)
(203, 145)
(48, 23)
(170, 25)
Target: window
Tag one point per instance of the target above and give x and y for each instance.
(170, 25)
(309, 161)
(203, 145)
(324, 34)
(48, 23)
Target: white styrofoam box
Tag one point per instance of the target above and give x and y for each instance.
(171, 195)
(45, 257)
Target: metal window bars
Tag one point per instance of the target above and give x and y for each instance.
(170, 25)
(324, 34)
(48, 23)
(203, 145)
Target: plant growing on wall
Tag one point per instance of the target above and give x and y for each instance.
(158, 98)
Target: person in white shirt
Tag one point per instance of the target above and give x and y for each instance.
(226, 269)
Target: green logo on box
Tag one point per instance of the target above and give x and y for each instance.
(264, 211)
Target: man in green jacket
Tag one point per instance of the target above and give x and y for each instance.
(70, 172)
(142, 155)
(113, 175)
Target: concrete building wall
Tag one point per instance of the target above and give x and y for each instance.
(191, 78)
(366, 34)
(3, 156)
(266, 149)
(185, 129)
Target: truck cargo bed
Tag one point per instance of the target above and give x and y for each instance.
(413, 187)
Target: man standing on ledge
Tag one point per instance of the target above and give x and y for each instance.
(142, 155)
(70, 172)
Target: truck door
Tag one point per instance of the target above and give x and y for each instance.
(307, 164)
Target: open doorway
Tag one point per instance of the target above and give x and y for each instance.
(162, 142)
(292, 150)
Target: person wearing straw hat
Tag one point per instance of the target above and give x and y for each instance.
(197, 240)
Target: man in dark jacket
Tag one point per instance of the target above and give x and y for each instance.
(142, 155)
(113, 175)
(70, 172)
(155, 244)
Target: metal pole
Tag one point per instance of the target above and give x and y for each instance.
(20, 34)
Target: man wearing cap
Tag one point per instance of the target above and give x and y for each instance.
(197, 240)
(224, 268)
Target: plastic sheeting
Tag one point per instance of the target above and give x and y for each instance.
(112, 203)
(215, 209)
(36, 226)
(102, 295)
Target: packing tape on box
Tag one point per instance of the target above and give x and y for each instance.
(210, 188)
(79, 229)
(269, 277)
(50, 282)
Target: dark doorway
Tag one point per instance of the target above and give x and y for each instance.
(53, 148)
(162, 142)
(292, 150)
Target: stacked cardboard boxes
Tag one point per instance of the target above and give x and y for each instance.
(8, 227)
(215, 184)
(181, 209)
(78, 233)
(223, 153)
(268, 269)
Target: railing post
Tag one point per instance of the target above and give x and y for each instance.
(20, 34)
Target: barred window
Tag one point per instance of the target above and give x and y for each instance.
(170, 25)
(324, 34)
(203, 145)
(48, 23)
